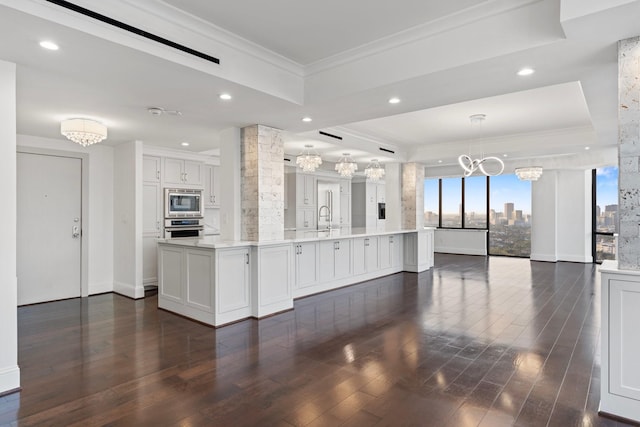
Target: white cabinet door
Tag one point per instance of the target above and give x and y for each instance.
(345, 186)
(215, 186)
(326, 257)
(208, 186)
(381, 192)
(232, 282)
(305, 190)
(149, 260)
(306, 264)
(193, 172)
(173, 171)
(385, 251)
(171, 274)
(345, 209)
(371, 253)
(151, 209)
(305, 219)
(199, 270)
(359, 255)
(395, 250)
(342, 261)
(151, 169)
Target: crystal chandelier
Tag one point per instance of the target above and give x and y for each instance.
(83, 131)
(374, 171)
(529, 173)
(307, 160)
(345, 166)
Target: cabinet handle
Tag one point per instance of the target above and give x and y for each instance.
(186, 177)
(157, 225)
(300, 246)
(157, 174)
(247, 255)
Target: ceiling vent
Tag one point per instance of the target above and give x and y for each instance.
(386, 150)
(330, 135)
(132, 29)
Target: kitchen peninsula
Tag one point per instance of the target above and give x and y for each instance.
(218, 282)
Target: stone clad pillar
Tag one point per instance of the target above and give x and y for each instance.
(262, 183)
(629, 153)
(412, 196)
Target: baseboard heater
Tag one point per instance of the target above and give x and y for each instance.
(102, 18)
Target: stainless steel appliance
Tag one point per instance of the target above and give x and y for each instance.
(183, 203)
(183, 213)
(183, 227)
(329, 209)
(382, 211)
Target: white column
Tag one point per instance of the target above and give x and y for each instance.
(544, 217)
(629, 152)
(230, 213)
(9, 370)
(413, 196)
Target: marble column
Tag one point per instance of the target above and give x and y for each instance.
(629, 153)
(262, 183)
(412, 196)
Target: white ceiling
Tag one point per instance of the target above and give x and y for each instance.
(338, 62)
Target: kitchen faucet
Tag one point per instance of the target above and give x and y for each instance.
(327, 215)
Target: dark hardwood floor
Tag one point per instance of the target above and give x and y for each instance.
(474, 342)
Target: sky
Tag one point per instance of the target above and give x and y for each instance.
(607, 186)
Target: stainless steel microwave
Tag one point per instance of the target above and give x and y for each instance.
(183, 203)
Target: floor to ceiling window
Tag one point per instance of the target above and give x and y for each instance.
(451, 202)
(432, 202)
(510, 216)
(475, 202)
(605, 213)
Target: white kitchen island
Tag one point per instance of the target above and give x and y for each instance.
(218, 282)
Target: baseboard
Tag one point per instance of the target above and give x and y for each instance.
(460, 251)
(543, 257)
(576, 258)
(9, 379)
(100, 288)
(128, 290)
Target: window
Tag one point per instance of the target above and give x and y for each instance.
(510, 216)
(475, 202)
(432, 202)
(451, 199)
(605, 213)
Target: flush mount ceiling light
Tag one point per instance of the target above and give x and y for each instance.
(470, 165)
(83, 131)
(49, 45)
(159, 111)
(307, 160)
(345, 166)
(529, 173)
(374, 171)
(526, 71)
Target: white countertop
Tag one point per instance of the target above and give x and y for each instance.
(216, 242)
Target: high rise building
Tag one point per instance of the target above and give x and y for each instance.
(508, 211)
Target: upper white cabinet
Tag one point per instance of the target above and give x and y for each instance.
(366, 196)
(211, 186)
(183, 172)
(306, 190)
(151, 169)
(345, 186)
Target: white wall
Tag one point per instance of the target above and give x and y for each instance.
(574, 216)
(230, 214)
(100, 210)
(9, 370)
(544, 217)
(127, 220)
(466, 242)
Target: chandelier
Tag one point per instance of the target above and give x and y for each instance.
(529, 173)
(307, 160)
(470, 165)
(374, 171)
(345, 166)
(83, 131)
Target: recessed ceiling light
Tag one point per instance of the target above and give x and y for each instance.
(527, 71)
(306, 119)
(505, 155)
(225, 96)
(439, 161)
(586, 148)
(49, 45)
(394, 100)
(184, 144)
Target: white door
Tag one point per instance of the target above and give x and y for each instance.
(49, 224)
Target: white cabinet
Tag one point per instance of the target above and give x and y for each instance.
(381, 192)
(306, 219)
(151, 169)
(306, 192)
(365, 198)
(232, 285)
(365, 255)
(306, 264)
(211, 186)
(334, 259)
(390, 251)
(151, 209)
(183, 172)
(345, 186)
(345, 209)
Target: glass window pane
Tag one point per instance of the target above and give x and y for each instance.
(605, 247)
(431, 202)
(607, 200)
(452, 202)
(510, 216)
(475, 202)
